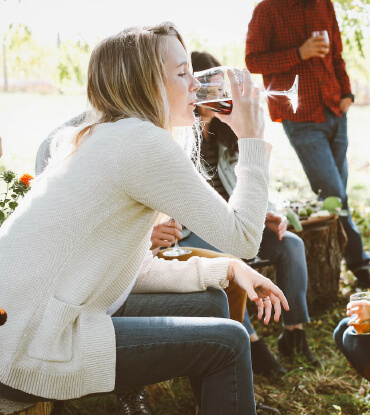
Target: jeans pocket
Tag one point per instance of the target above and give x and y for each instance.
(53, 338)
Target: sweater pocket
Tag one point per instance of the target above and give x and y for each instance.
(53, 338)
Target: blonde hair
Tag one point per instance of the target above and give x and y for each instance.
(126, 76)
(126, 80)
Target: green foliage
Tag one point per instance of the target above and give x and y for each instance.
(15, 188)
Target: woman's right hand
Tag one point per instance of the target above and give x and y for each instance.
(259, 289)
(246, 118)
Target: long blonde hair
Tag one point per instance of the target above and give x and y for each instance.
(126, 80)
(126, 76)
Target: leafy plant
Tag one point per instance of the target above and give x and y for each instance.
(15, 188)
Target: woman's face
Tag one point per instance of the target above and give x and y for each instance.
(180, 84)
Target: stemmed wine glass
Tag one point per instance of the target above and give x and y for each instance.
(215, 90)
(176, 251)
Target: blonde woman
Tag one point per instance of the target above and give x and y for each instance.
(79, 243)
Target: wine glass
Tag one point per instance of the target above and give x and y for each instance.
(324, 33)
(215, 90)
(176, 251)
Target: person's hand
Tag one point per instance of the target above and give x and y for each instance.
(165, 234)
(1, 148)
(345, 103)
(277, 224)
(314, 47)
(259, 289)
(246, 118)
(359, 311)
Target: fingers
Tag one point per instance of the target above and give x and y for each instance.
(260, 307)
(268, 306)
(277, 307)
(276, 292)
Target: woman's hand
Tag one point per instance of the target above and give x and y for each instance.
(359, 311)
(246, 118)
(259, 289)
(165, 234)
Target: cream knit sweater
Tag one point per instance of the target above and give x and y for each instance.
(82, 234)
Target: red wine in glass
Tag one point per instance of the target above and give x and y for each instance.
(222, 105)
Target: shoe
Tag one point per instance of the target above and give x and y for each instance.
(293, 342)
(134, 403)
(362, 275)
(265, 408)
(263, 362)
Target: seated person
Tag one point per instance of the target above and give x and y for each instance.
(356, 347)
(286, 250)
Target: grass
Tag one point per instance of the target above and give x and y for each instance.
(26, 119)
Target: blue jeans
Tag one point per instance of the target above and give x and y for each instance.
(321, 149)
(151, 347)
(355, 347)
(289, 258)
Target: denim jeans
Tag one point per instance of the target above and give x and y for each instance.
(151, 347)
(321, 149)
(289, 258)
(355, 347)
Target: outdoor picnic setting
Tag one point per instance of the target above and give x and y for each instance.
(185, 208)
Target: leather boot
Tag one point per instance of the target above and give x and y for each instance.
(263, 362)
(294, 342)
(133, 403)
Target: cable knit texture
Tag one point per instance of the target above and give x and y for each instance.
(82, 234)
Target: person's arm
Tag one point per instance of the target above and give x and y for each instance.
(338, 62)
(161, 176)
(258, 56)
(198, 273)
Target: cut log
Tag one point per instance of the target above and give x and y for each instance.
(325, 242)
(22, 408)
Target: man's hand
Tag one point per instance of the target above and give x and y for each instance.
(165, 234)
(314, 47)
(259, 289)
(345, 103)
(277, 224)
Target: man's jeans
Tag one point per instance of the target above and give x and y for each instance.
(322, 148)
(151, 347)
(289, 258)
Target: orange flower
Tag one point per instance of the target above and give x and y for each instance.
(25, 179)
(3, 316)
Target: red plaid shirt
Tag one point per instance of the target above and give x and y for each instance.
(277, 29)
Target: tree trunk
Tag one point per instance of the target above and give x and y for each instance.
(325, 242)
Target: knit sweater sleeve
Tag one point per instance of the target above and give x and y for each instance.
(155, 171)
(195, 274)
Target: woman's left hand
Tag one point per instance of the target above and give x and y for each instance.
(259, 289)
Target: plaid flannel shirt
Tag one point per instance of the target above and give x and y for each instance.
(277, 29)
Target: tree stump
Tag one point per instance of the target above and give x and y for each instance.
(22, 408)
(325, 241)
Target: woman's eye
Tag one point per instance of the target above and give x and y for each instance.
(183, 74)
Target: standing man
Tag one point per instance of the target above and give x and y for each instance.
(281, 44)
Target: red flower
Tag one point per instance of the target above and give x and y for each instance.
(25, 179)
(3, 316)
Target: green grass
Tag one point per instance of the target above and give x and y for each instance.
(26, 119)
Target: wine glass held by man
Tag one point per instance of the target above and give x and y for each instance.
(85, 243)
